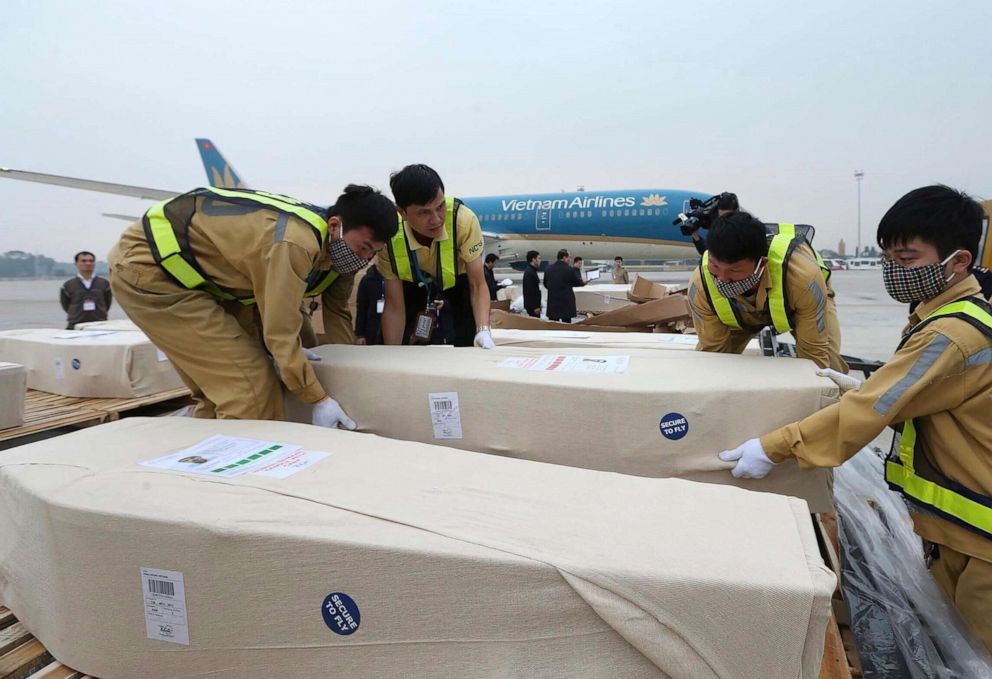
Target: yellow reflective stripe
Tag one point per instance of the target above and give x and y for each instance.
(776, 258)
(284, 203)
(721, 305)
(324, 283)
(966, 308)
(401, 253)
(907, 444)
(446, 249)
(944, 499)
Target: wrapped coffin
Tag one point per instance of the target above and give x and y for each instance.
(667, 414)
(614, 340)
(12, 387)
(397, 559)
(121, 324)
(89, 363)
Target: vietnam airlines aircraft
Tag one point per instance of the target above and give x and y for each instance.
(634, 224)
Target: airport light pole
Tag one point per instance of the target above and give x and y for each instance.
(858, 176)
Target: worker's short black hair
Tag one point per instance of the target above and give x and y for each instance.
(81, 253)
(945, 218)
(562, 254)
(531, 254)
(728, 201)
(577, 259)
(362, 205)
(735, 237)
(415, 185)
(618, 258)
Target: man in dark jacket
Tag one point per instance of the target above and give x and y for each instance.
(487, 270)
(85, 297)
(368, 307)
(559, 279)
(532, 285)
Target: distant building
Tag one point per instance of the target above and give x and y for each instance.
(842, 248)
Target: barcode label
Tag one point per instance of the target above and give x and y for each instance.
(161, 587)
(446, 418)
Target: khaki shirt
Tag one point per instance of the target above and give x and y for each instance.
(256, 252)
(620, 274)
(334, 309)
(817, 330)
(469, 246)
(943, 376)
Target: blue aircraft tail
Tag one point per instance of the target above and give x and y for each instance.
(219, 172)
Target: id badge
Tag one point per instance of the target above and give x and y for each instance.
(89, 305)
(380, 306)
(424, 327)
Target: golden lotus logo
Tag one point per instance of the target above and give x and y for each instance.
(653, 200)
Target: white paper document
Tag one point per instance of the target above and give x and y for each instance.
(289, 465)
(569, 364)
(225, 457)
(445, 415)
(81, 334)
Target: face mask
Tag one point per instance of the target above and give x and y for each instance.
(731, 289)
(914, 284)
(343, 258)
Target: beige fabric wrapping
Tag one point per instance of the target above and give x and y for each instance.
(122, 324)
(12, 387)
(549, 339)
(112, 365)
(461, 565)
(605, 422)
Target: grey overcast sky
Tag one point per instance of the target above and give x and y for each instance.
(778, 101)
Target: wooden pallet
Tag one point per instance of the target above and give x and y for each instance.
(44, 411)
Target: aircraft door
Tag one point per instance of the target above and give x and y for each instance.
(542, 220)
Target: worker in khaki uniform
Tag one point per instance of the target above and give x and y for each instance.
(215, 277)
(750, 278)
(436, 288)
(937, 387)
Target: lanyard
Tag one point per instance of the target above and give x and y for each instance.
(416, 267)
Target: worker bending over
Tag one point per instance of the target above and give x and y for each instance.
(753, 276)
(215, 278)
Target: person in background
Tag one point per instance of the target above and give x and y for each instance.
(560, 278)
(85, 297)
(620, 276)
(491, 283)
(370, 302)
(532, 284)
(727, 204)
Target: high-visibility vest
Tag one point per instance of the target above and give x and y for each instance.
(167, 231)
(785, 238)
(447, 256)
(907, 467)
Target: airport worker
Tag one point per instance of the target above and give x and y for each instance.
(936, 387)
(436, 289)
(369, 304)
(747, 281)
(215, 276)
(620, 276)
(560, 278)
(85, 297)
(532, 284)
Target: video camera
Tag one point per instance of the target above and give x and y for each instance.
(701, 212)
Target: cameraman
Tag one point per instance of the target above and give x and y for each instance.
(725, 204)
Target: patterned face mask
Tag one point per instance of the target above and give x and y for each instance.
(914, 284)
(343, 258)
(730, 289)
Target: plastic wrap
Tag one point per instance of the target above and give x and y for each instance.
(903, 623)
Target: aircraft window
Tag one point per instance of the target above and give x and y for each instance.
(611, 213)
(589, 213)
(568, 214)
(657, 210)
(626, 213)
(604, 213)
(641, 212)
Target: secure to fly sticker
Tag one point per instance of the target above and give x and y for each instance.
(674, 426)
(340, 613)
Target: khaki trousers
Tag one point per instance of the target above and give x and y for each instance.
(216, 347)
(967, 580)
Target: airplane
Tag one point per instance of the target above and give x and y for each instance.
(635, 224)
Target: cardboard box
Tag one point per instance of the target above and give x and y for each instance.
(668, 414)
(596, 299)
(658, 311)
(504, 319)
(89, 363)
(644, 290)
(12, 388)
(397, 559)
(551, 339)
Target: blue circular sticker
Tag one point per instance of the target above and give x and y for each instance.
(341, 613)
(674, 426)
(76, 364)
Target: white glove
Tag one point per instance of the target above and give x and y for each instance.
(506, 282)
(484, 339)
(753, 463)
(845, 382)
(328, 413)
(311, 355)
